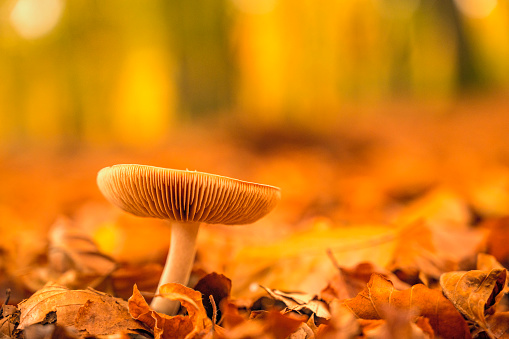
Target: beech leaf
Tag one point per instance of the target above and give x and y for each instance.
(380, 293)
(475, 293)
(90, 311)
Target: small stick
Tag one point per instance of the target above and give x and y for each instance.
(214, 310)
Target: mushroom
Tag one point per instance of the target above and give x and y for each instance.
(185, 199)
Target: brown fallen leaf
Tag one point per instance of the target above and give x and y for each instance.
(475, 294)
(146, 277)
(487, 262)
(416, 255)
(431, 304)
(499, 325)
(350, 281)
(342, 325)
(73, 259)
(196, 325)
(260, 325)
(71, 248)
(216, 285)
(301, 303)
(498, 238)
(398, 324)
(9, 316)
(65, 307)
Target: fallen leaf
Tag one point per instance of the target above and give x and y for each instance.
(146, 277)
(431, 304)
(499, 325)
(475, 293)
(487, 262)
(195, 325)
(73, 259)
(104, 318)
(216, 285)
(301, 302)
(416, 254)
(71, 248)
(399, 324)
(342, 325)
(350, 281)
(291, 259)
(65, 307)
(498, 238)
(9, 316)
(262, 324)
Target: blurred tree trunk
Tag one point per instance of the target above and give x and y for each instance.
(199, 34)
(470, 76)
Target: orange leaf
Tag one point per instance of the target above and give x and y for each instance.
(168, 327)
(475, 293)
(90, 311)
(445, 320)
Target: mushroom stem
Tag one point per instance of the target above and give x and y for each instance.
(178, 263)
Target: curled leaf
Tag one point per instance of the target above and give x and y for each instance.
(166, 327)
(475, 293)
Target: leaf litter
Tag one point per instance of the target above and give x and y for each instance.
(380, 244)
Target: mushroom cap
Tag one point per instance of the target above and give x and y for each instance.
(186, 196)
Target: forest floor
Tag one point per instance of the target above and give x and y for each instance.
(392, 225)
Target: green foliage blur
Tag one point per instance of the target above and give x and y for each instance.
(124, 72)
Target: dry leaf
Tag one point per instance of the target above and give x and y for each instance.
(261, 325)
(475, 293)
(104, 318)
(74, 260)
(499, 325)
(9, 316)
(498, 238)
(66, 307)
(397, 324)
(71, 248)
(431, 304)
(216, 285)
(196, 325)
(342, 325)
(301, 302)
(146, 277)
(350, 281)
(416, 254)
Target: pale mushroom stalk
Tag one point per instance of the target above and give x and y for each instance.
(178, 263)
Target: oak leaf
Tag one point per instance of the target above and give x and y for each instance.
(475, 294)
(196, 325)
(380, 293)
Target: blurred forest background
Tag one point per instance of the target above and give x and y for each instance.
(93, 73)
